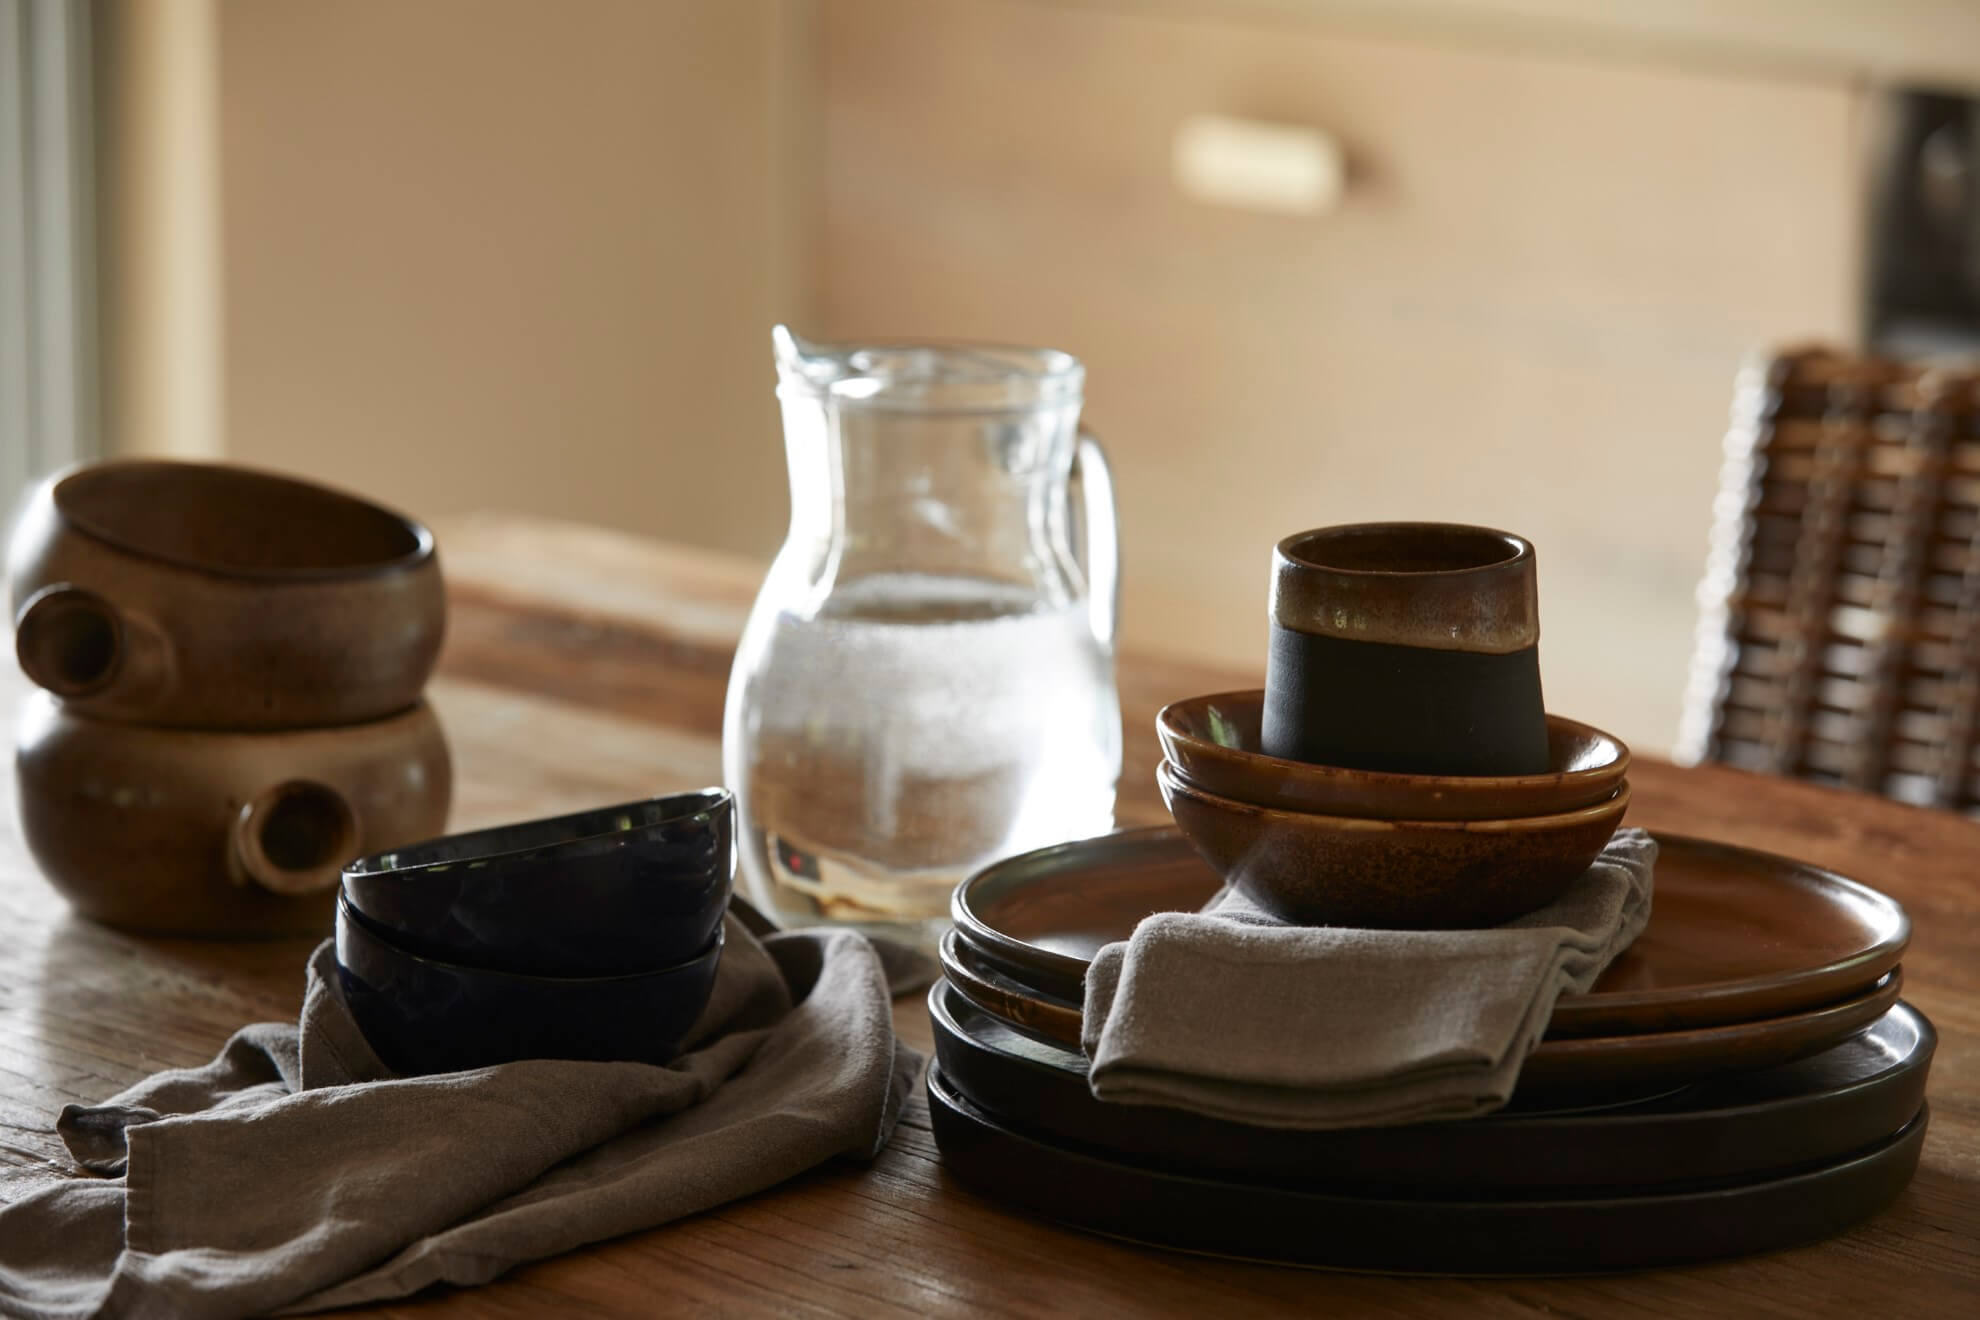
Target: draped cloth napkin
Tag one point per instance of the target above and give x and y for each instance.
(296, 1173)
(1230, 1013)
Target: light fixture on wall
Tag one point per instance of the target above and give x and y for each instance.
(1284, 169)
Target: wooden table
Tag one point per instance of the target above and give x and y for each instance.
(583, 667)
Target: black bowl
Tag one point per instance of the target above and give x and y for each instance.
(426, 1016)
(606, 892)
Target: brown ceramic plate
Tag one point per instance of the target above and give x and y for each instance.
(1007, 998)
(1671, 1058)
(1734, 935)
(1213, 742)
(1563, 1070)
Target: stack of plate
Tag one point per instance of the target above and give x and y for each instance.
(1743, 1078)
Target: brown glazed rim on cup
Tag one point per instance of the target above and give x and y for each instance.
(1270, 781)
(72, 494)
(1439, 586)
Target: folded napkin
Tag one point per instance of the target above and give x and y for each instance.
(1230, 1013)
(295, 1172)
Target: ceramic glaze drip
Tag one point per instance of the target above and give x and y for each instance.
(918, 728)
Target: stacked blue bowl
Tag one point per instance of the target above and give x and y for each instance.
(595, 935)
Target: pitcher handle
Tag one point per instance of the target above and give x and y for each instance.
(1103, 537)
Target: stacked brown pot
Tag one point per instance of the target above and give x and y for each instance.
(232, 664)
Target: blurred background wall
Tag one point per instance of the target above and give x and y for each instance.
(503, 253)
(507, 253)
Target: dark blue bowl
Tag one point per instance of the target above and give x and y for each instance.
(606, 892)
(426, 1016)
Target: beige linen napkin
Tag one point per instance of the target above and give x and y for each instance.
(294, 1172)
(1229, 1013)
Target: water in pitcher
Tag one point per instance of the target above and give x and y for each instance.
(926, 682)
(919, 728)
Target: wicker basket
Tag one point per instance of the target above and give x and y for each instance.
(1839, 618)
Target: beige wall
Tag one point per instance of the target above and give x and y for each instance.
(160, 262)
(1527, 313)
(508, 253)
(504, 253)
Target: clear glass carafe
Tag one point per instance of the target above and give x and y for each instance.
(926, 682)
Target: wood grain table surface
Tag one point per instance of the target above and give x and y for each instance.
(584, 666)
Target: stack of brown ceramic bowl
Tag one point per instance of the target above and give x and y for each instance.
(232, 664)
(1330, 845)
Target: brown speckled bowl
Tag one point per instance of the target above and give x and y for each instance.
(212, 596)
(1212, 742)
(1390, 874)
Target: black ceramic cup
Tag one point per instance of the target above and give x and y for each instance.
(1406, 647)
(423, 1015)
(605, 892)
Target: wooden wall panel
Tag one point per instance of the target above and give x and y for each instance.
(1527, 313)
(500, 253)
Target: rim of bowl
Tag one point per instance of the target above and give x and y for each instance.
(1172, 780)
(408, 862)
(422, 551)
(1167, 728)
(348, 914)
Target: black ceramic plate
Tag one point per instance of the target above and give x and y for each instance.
(1795, 1116)
(1261, 1221)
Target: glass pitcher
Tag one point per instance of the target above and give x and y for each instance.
(926, 682)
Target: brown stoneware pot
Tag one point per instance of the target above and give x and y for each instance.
(1318, 870)
(200, 595)
(189, 832)
(1406, 647)
(1212, 742)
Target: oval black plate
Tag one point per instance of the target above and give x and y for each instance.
(1302, 1227)
(1768, 1122)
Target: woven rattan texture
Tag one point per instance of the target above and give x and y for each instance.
(1839, 626)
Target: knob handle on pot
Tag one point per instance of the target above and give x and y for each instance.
(78, 645)
(294, 838)
(69, 640)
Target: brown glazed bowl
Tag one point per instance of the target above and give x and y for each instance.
(188, 832)
(1316, 870)
(1212, 742)
(201, 595)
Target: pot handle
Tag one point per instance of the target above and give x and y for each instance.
(70, 641)
(293, 839)
(1102, 534)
